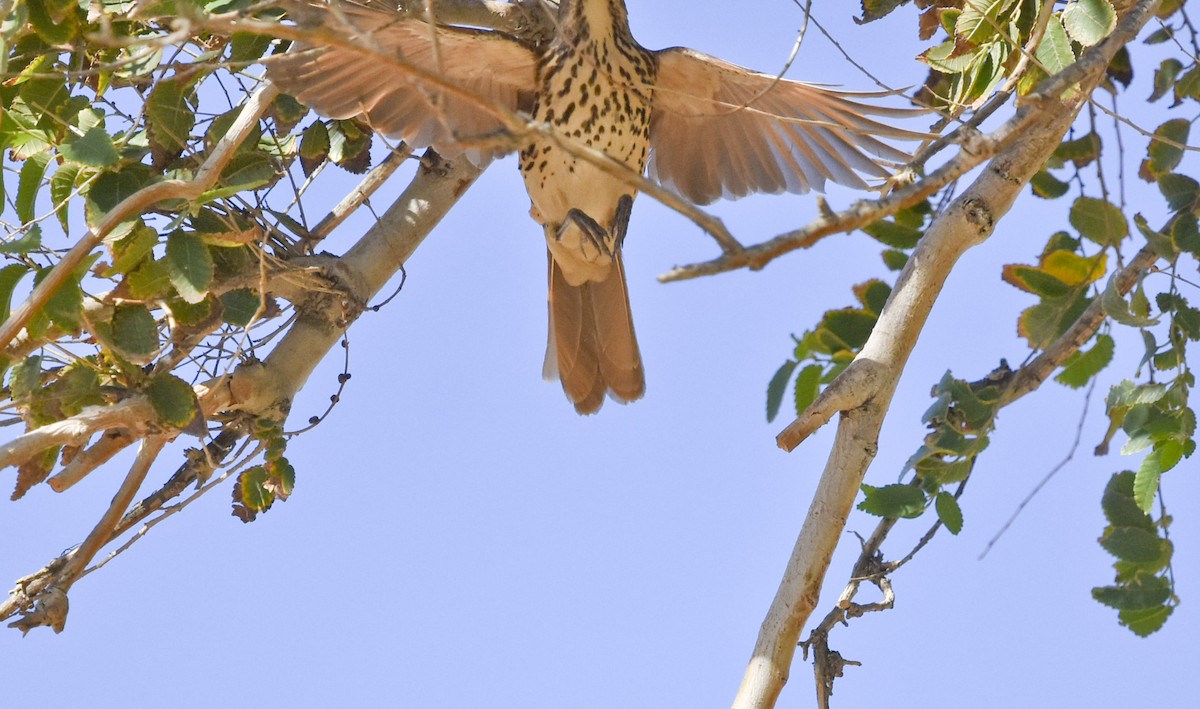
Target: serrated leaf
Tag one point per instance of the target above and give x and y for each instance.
(25, 377)
(314, 147)
(134, 332)
(808, 385)
(189, 265)
(1166, 455)
(889, 233)
(1055, 53)
(851, 325)
(1180, 191)
(1166, 150)
(94, 149)
(62, 185)
(1118, 504)
(1117, 308)
(170, 120)
(1081, 151)
(1133, 544)
(873, 295)
(149, 280)
(1080, 367)
(949, 512)
(254, 493)
(1048, 186)
(1099, 220)
(894, 260)
(65, 306)
(1143, 593)
(10, 276)
(1033, 280)
(1185, 233)
(1073, 269)
(777, 386)
(239, 306)
(173, 400)
(30, 240)
(110, 188)
(1089, 21)
(1145, 622)
(1164, 78)
(1163, 245)
(131, 250)
(30, 182)
(893, 501)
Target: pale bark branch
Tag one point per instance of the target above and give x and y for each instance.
(969, 220)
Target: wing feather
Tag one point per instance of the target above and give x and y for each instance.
(343, 82)
(720, 130)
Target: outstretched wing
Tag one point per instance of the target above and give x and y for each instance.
(343, 82)
(720, 130)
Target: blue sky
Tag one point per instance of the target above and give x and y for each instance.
(458, 537)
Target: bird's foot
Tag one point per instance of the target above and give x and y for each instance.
(592, 235)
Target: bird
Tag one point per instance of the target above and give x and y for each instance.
(698, 126)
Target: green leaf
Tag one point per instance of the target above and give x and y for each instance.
(132, 249)
(10, 276)
(133, 332)
(808, 385)
(1080, 367)
(980, 18)
(892, 234)
(1081, 151)
(1099, 220)
(1048, 186)
(111, 187)
(31, 240)
(65, 307)
(949, 512)
(1117, 308)
(1167, 149)
(1180, 191)
(190, 265)
(239, 306)
(1133, 544)
(246, 171)
(873, 295)
(169, 119)
(173, 400)
(1143, 593)
(1089, 21)
(776, 388)
(254, 492)
(314, 147)
(1033, 280)
(893, 501)
(33, 174)
(1162, 244)
(1164, 78)
(188, 314)
(851, 325)
(1055, 53)
(1118, 504)
(1145, 622)
(94, 149)
(1185, 233)
(62, 185)
(894, 259)
(1166, 455)
(25, 378)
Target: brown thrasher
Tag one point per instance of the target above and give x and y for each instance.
(703, 128)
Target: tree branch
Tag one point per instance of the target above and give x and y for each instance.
(969, 220)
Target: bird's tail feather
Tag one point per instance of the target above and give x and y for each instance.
(592, 347)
